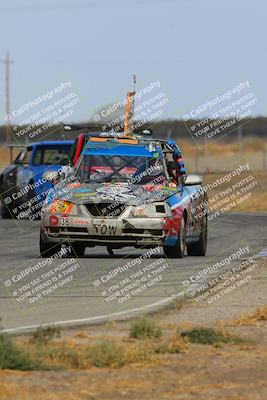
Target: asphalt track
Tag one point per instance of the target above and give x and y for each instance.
(82, 301)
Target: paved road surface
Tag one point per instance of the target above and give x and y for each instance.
(79, 290)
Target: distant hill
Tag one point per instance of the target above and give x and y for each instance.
(175, 128)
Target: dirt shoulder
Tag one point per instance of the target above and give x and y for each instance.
(232, 371)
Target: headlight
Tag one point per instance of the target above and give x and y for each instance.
(63, 206)
(50, 176)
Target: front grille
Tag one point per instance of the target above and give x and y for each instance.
(74, 230)
(152, 232)
(66, 231)
(105, 209)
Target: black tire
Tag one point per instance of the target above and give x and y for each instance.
(5, 213)
(77, 250)
(178, 250)
(48, 249)
(199, 248)
(33, 216)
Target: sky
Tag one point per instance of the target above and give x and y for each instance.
(196, 49)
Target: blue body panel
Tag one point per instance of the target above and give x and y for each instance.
(34, 173)
(116, 149)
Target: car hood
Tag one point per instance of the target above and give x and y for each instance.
(114, 192)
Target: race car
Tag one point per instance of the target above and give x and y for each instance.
(126, 191)
(25, 183)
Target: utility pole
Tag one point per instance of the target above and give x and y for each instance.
(240, 141)
(7, 61)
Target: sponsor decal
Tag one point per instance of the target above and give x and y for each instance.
(64, 221)
(105, 229)
(81, 221)
(53, 220)
(115, 192)
(84, 195)
(61, 206)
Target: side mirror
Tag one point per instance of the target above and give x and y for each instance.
(193, 179)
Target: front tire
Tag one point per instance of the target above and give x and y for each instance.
(199, 248)
(48, 249)
(178, 250)
(5, 213)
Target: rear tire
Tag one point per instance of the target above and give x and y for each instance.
(48, 249)
(178, 250)
(199, 248)
(5, 213)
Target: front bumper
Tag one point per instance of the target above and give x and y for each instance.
(104, 231)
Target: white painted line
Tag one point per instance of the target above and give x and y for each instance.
(262, 253)
(99, 318)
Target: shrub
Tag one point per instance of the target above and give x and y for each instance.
(206, 336)
(70, 357)
(106, 354)
(13, 357)
(145, 328)
(45, 335)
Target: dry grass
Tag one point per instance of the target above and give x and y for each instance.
(5, 155)
(48, 352)
(257, 201)
(250, 146)
(254, 318)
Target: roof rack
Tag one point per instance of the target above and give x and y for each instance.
(92, 128)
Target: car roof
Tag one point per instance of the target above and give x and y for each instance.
(51, 143)
(121, 146)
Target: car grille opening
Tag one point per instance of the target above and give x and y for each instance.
(154, 232)
(160, 208)
(105, 209)
(55, 231)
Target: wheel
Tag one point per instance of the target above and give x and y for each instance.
(77, 250)
(5, 213)
(199, 248)
(48, 249)
(178, 250)
(33, 216)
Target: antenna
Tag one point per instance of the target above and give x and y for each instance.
(7, 61)
(130, 107)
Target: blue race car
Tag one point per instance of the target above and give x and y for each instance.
(126, 191)
(25, 183)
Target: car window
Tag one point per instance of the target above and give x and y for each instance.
(24, 157)
(50, 155)
(102, 168)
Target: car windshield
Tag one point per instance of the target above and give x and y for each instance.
(50, 155)
(120, 168)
